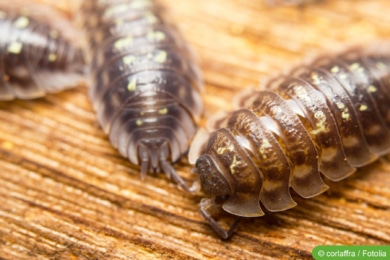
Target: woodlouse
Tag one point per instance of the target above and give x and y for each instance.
(328, 117)
(38, 53)
(145, 84)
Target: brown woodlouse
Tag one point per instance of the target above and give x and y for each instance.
(38, 53)
(328, 118)
(145, 85)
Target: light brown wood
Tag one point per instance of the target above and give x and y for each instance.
(65, 193)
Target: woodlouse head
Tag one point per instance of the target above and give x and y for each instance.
(212, 180)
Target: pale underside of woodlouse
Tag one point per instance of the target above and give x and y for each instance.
(145, 83)
(38, 54)
(327, 118)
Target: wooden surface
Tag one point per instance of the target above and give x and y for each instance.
(65, 193)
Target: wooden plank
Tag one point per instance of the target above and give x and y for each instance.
(65, 193)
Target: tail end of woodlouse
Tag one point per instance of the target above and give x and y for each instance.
(155, 157)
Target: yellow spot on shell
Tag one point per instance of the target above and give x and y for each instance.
(124, 42)
(263, 148)
(320, 124)
(151, 18)
(52, 57)
(371, 89)
(343, 76)
(363, 107)
(128, 59)
(345, 114)
(315, 78)
(302, 93)
(139, 122)
(234, 164)
(354, 66)
(221, 150)
(156, 36)
(15, 47)
(277, 109)
(132, 85)
(319, 115)
(22, 22)
(163, 111)
(335, 69)
(340, 105)
(161, 57)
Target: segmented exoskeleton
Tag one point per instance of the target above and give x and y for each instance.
(144, 82)
(38, 54)
(326, 118)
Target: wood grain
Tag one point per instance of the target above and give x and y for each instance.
(65, 193)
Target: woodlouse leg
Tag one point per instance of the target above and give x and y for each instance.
(205, 206)
(172, 174)
(145, 161)
(154, 157)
